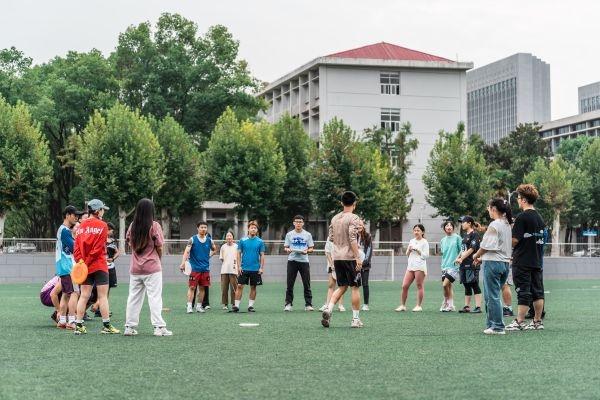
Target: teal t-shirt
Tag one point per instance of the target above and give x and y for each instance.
(450, 247)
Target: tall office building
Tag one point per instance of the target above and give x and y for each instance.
(380, 85)
(589, 97)
(505, 93)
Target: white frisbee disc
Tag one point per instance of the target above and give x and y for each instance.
(187, 269)
(248, 324)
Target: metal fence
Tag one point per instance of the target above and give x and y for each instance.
(276, 247)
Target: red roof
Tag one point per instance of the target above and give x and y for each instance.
(387, 51)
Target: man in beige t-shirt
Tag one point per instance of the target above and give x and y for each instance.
(343, 232)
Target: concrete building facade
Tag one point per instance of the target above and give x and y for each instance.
(505, 93)
(588, 97)
(568, 128)
(380, 85)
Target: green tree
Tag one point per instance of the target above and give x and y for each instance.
(571, 150)
(556, 193)
(62, 94)
(25, 171)
(515, 155)
(13, 64)
(298, 151)
(590, 166)
(457, 178)
(172, 70)
(345, 163)
(120, 160)
(243, 164)
(182, 190)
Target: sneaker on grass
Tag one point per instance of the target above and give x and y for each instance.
(109, 330)
(356, 323)
(400, 308)
(476, 310)
(80, 330)
(341, 308)
(309, 308)
(365, 307)
(490, 331)
(129, 331)
(162, 331)
(507, 312)
(288, 308)
(200, 309)
(465, 309)
(323, 307)
(251, 309)
(535, 326)
(515, 326)
(189, 310)
(417, 309)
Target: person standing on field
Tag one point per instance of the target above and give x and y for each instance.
(298, 244)
(145, 237)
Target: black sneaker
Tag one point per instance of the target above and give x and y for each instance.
(97, 314)
(251, 309)
(86, 317)
(476, 310)
(465, 309)
(507, 312)
(235, 309)
(53, 317)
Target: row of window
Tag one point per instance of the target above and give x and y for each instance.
(571, 128)
(390, 83)
(590, 104)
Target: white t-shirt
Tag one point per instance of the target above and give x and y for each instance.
(329, 250)
(497, 240)
(417, 262)
(228, 255)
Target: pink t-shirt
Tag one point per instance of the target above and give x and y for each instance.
(147, 261)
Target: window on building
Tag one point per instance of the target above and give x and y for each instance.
(580, 126)
(390, 119)
(390, 83)
(564, 129)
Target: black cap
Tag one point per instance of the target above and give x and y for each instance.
(466, 218)
(71, 210)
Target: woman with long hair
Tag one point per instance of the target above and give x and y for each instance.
(365, 243)
(145, 237)
(495, 252)
(417, 252)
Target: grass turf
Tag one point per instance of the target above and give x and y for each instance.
(425, 355)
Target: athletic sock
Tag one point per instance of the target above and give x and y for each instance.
(330, 307)
(71, 319)
(237, 303)
(355, 313)
(189, 304)
(250, 303)
(451, 303)
(106, 322)
(62, 319)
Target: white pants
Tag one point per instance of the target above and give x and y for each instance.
(138, 286)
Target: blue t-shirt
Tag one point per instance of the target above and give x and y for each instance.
(250, 248)
(200, 253)
(298, 242)
(64, 251)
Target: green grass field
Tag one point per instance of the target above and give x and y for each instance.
(426, 355)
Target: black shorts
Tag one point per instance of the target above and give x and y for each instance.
(97, 277)
(451, 275)
(469, 274)
(66, 284)
(529, 284)
(252, 278)
(346, 274)
(112, 277)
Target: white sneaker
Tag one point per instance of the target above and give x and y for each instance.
(449, 309)
(323, 307)
(341, 308)
(162, 331)
(365, 307)
(400, 308)
(288, 307)
(443, 306)
(490, 331)
(129, 331)
(224, 307)
(356, 323)
(309, 308)
(190, 309)
(417, 309)
(200, 309)
(207, 307)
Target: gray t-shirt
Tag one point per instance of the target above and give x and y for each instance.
(497, 241)
(298, 242)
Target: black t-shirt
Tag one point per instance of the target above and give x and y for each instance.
(470, 241)
(529, 231)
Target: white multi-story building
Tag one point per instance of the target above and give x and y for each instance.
(380, 85)
(589, 97)
(505, 93)
(556, 131)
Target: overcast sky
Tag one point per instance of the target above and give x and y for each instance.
(277, 36)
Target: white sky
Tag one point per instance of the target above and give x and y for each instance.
(277, 36)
